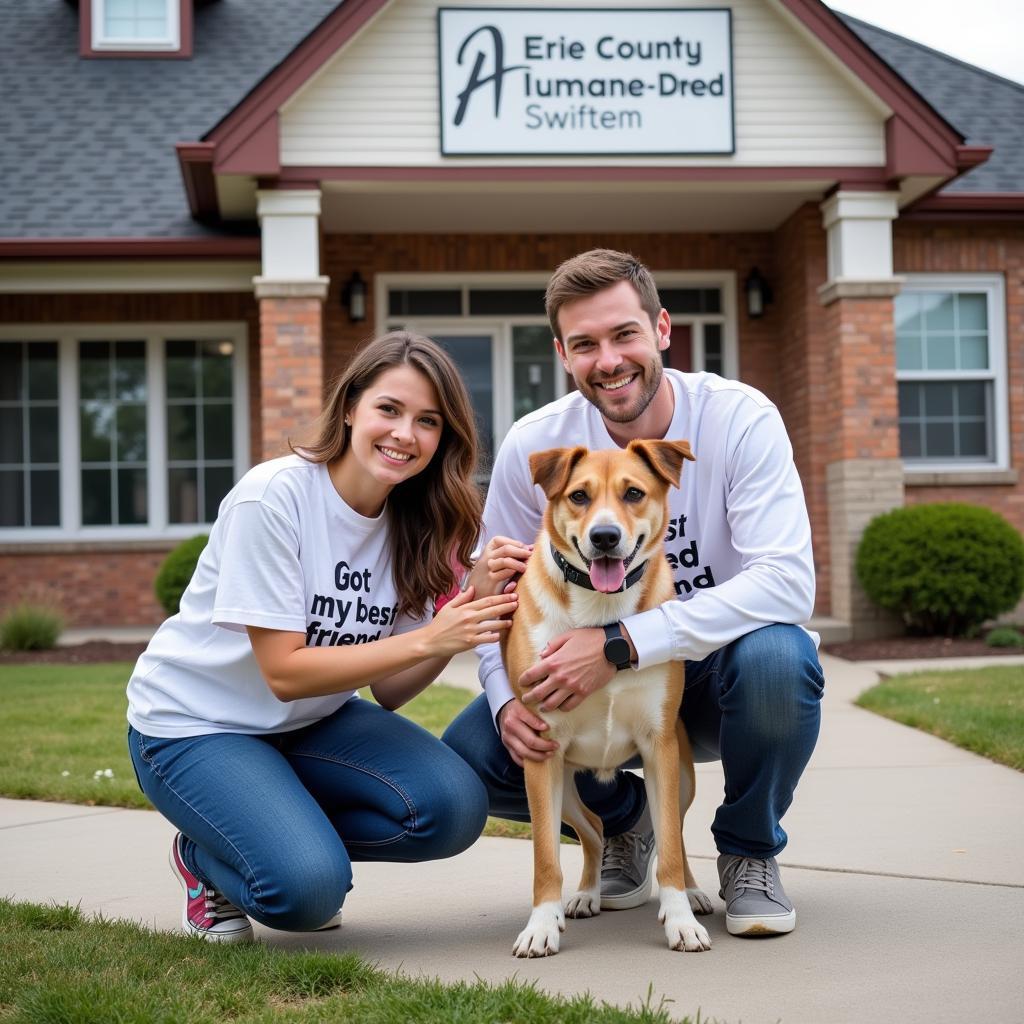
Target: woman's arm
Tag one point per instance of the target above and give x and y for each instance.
(399, 689)
(292, 670)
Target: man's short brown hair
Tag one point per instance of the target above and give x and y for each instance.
(594, 271)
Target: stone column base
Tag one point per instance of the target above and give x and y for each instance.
(858, 490)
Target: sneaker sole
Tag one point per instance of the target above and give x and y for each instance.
(754, 927)
(635, 897)
(241, 935)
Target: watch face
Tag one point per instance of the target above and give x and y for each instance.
(616, 650)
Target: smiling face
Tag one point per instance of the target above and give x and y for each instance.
(608, 509)
(394, 430)
(613, 351)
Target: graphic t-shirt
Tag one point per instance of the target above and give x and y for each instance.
(285, 553)
(738, 538)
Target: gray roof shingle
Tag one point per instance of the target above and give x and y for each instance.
(88, 145)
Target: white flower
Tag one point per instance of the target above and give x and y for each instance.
(108, 773)
(65, 774)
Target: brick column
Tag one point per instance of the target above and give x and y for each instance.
(291, 369)
(864, 472)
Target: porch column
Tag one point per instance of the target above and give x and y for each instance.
(291, 293)
(864, 472)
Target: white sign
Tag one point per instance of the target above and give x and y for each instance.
(601, 81)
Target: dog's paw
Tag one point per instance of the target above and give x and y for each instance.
(681, 928)
(540, 936)
(699, 903)
(584, 904)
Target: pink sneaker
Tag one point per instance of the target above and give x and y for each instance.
(207, 913)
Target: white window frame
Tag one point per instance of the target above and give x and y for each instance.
(994, 288)
(154, 335)
(171, 42)
(725, 280)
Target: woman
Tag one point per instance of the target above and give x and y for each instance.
(318, 579)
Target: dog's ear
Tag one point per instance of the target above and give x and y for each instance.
(550, 469)
(664, 457)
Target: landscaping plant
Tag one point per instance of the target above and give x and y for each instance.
(176, 571)
(944, 568)
(30, 627)
(1005, 636)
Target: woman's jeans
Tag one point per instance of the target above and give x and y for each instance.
(275, 822)
(754, 705)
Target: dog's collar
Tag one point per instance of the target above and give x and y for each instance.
(582, 579)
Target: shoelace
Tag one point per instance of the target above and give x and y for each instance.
(752, 873)
(622, 852)
(218, 908)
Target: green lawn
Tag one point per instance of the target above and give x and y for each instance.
(981, 709)
(60, 724)
(58, 966)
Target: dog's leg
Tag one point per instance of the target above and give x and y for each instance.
(699, 903)
(588, 827)
(661, 779)
(544, 781)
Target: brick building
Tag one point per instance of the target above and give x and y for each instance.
(208, 205)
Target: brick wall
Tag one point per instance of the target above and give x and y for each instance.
(112, 585)
(923, 248)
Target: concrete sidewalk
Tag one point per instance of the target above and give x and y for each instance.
(904, 863)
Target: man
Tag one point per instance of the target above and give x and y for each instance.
(739, 543)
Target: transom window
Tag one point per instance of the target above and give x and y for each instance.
(119, 432)
(950, 363)
(136, 24)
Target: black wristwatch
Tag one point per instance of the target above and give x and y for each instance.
(616, 647)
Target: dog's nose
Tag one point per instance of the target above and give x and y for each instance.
(604, 538)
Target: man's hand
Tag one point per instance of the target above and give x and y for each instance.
(521, 732)
(572, 667)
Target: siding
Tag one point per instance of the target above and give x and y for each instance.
(375, 103)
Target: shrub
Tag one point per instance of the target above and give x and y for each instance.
(30, 627)
(943, 568)
(1005, 636)
(176, 571)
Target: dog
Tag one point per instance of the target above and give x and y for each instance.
(599, 557)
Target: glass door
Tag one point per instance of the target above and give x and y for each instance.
(473, 352)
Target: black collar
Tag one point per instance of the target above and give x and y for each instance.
(582, 579)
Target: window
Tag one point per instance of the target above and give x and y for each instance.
(950, 370)
(119, 432)
(136, 24)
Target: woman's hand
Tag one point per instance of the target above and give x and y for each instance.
(501, 559)
(463, 623)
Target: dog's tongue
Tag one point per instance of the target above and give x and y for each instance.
(607, 574)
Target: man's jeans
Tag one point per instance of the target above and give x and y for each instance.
(274, 822)
(754, 705)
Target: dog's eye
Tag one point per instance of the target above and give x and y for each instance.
(579, 497)
(633, 494)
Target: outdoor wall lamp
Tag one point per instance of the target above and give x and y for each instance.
(353, 298)
(759, 293)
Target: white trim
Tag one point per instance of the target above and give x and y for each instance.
(65, 276)
(170, 43)
(154, 334)
(994, 287)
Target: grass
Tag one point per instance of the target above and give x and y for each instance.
(60, 724)
(981, 710)
(58, 966)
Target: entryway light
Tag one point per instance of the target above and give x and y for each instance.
(759, 293)
(353, 298)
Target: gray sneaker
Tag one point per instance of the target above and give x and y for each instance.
(755, 902)
(627, 867)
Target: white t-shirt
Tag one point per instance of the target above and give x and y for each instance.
(738, 541)
(285, 553)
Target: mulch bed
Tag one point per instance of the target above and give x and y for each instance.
(75, 654)
(915, 647)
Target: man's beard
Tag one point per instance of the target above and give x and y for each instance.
(651, 382)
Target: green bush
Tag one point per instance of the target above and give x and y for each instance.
(30, 627)
(176, 571)
(943, 568)
(1005, 636)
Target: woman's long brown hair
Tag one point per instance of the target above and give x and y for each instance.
(435, 514)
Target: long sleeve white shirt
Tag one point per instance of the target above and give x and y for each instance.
(738, 541)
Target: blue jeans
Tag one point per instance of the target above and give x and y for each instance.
(754, 705)
(275, 822)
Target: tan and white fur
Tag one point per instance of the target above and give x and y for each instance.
(636, 712)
